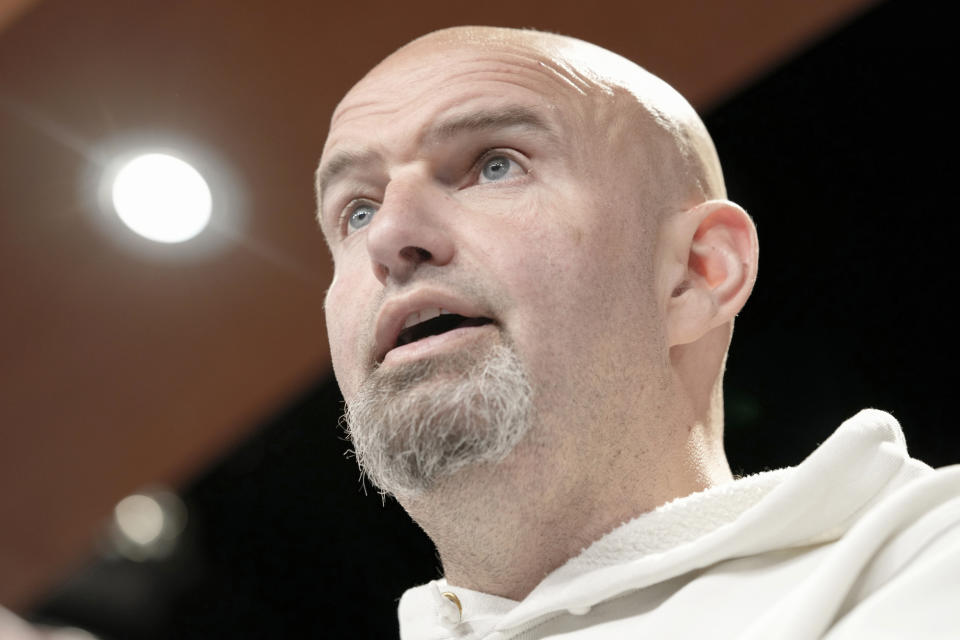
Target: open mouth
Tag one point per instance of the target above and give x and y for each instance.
(440, 323)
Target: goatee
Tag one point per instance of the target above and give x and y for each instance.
(415, 424)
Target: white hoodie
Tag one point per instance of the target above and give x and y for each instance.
(858, 541)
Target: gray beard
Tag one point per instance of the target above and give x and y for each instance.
(413, 425)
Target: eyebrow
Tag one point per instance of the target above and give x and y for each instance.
(339, 164)
(485, 121)
(444, 131)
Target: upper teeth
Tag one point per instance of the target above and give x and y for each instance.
(423, 315)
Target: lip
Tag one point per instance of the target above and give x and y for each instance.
(396, 310)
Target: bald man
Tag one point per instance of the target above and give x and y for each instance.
(536, 277)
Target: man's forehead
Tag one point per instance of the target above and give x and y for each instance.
(559, 66)
(439, 79)
(475, 41)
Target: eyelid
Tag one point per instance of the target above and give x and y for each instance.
(514, 156)
(343, 218)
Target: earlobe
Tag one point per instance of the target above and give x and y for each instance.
(717, 243)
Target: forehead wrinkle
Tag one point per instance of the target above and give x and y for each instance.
(524, 68)
(370, 103)
(551, 77)
(339, 164)
(485, 120)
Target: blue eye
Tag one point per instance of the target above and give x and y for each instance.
(496, 168)
(360, 216)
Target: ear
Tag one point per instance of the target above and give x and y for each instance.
(712, 253)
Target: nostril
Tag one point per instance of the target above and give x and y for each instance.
(416, 254)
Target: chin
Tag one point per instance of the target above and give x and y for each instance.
(416, 423)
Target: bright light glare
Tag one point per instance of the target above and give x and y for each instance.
(140, 518)
(162, 198)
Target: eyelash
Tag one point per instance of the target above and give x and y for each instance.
(473, 173)
(493, 153)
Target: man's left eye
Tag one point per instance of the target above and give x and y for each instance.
(496, 168)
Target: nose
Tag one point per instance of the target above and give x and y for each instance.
(409, 230)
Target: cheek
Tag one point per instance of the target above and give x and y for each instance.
(336, 330)
(577, 271)
(544, 256)
(343, 310)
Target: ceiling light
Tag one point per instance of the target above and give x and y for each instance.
(162, 198)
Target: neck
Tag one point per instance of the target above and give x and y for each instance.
(500, 529)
